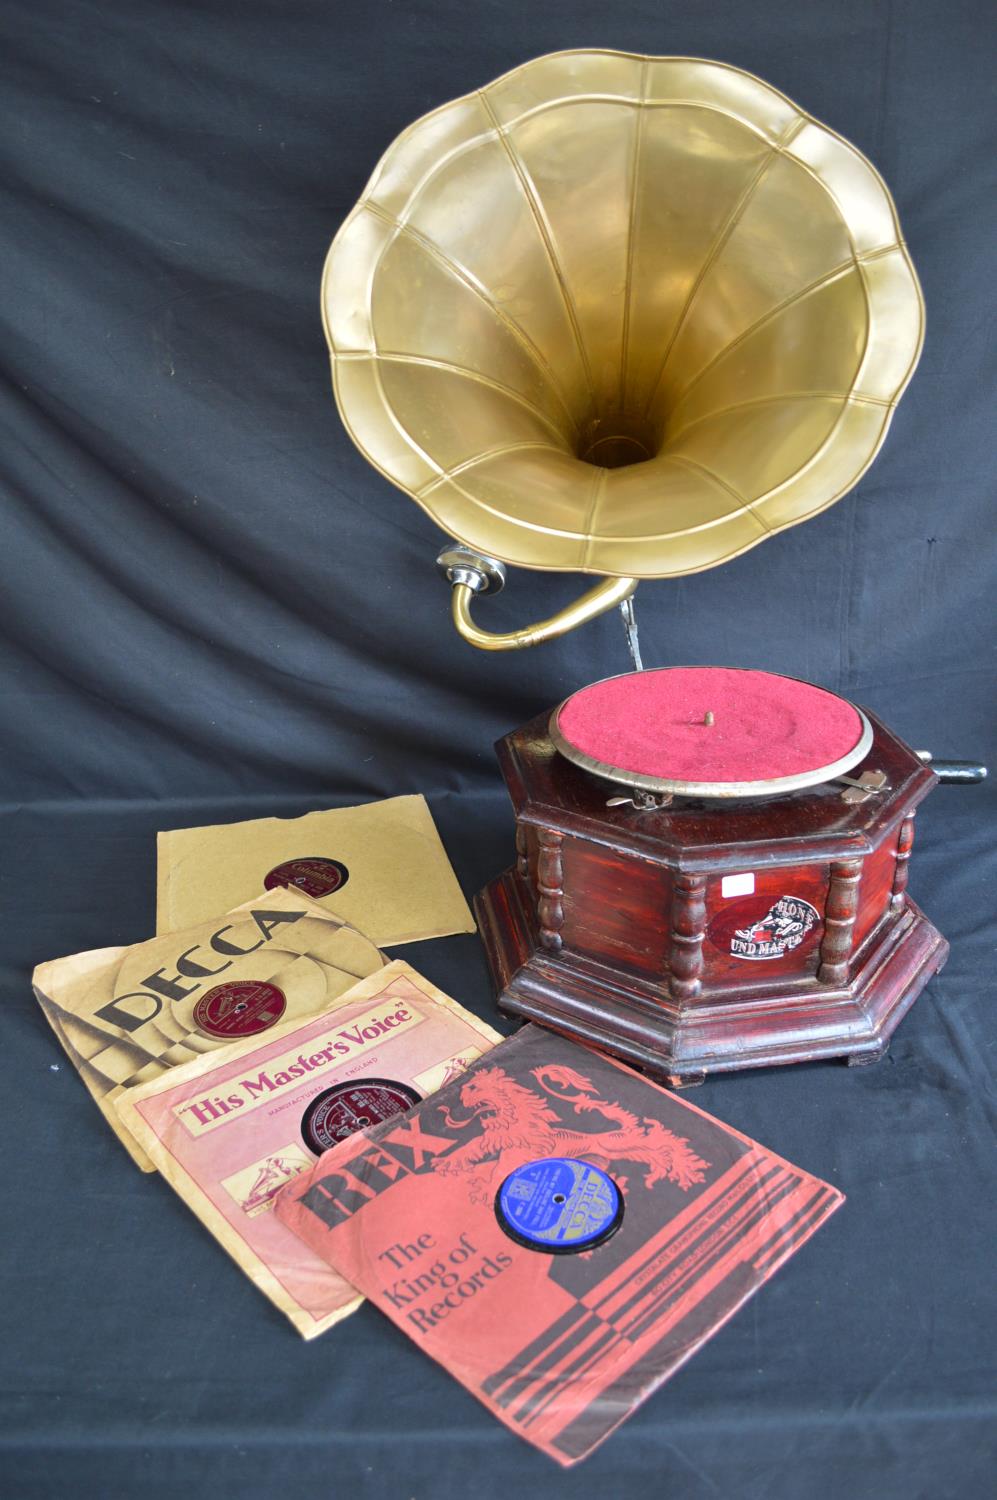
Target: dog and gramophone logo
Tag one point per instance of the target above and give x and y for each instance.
(756, 933)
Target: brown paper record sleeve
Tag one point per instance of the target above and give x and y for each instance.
(389, 873)
(96, 1087)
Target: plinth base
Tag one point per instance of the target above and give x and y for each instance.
(637, 1020)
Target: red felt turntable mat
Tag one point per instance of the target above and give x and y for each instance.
(763, 726)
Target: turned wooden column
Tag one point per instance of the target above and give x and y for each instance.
(905, 840)
(840, 912)
(550, 885)
(688, 927)
(522, 852)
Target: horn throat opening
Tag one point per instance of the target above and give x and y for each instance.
(617, 440)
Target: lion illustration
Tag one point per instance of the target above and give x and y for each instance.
(514, 1117)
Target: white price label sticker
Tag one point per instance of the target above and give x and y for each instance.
(737, 885)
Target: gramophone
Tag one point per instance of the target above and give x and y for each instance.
(629, 316)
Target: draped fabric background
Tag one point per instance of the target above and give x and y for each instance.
(213, 607)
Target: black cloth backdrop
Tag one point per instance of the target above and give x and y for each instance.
(213, 608)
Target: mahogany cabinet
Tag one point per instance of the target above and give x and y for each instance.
(710, 936)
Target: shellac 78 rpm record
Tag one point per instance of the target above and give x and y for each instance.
(239, 1008)
(348, 1107)
(316, 875)
(560, 1205)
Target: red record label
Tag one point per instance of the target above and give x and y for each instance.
(760, 930)
(314, 875)
(241, 1008)
(349, 1107)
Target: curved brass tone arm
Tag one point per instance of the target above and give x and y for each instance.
(606, 594)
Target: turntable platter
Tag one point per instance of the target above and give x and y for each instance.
(710, 732)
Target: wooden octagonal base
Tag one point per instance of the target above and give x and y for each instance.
(701, 938)
(591, 1002)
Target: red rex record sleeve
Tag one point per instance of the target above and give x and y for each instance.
(685, 1219)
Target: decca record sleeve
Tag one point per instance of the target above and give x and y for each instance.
(128, 1015)
(229, 1132)
(557, 1231)
(381, 866)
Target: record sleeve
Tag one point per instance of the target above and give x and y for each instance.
(380, 866)
(230, 1131)
(557, 1231)
(127, 1015)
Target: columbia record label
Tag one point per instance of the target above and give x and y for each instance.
(315, 875)
(240, 1008)
(348, 1107)
(559, 1204)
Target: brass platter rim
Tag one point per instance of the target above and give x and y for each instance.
(713, 790)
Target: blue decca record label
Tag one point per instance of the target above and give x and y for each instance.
(559, 1204)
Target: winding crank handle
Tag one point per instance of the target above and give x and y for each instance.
(957, 772)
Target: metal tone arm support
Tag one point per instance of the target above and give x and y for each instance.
(471, 573)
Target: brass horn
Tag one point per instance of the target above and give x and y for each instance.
(618, 315)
